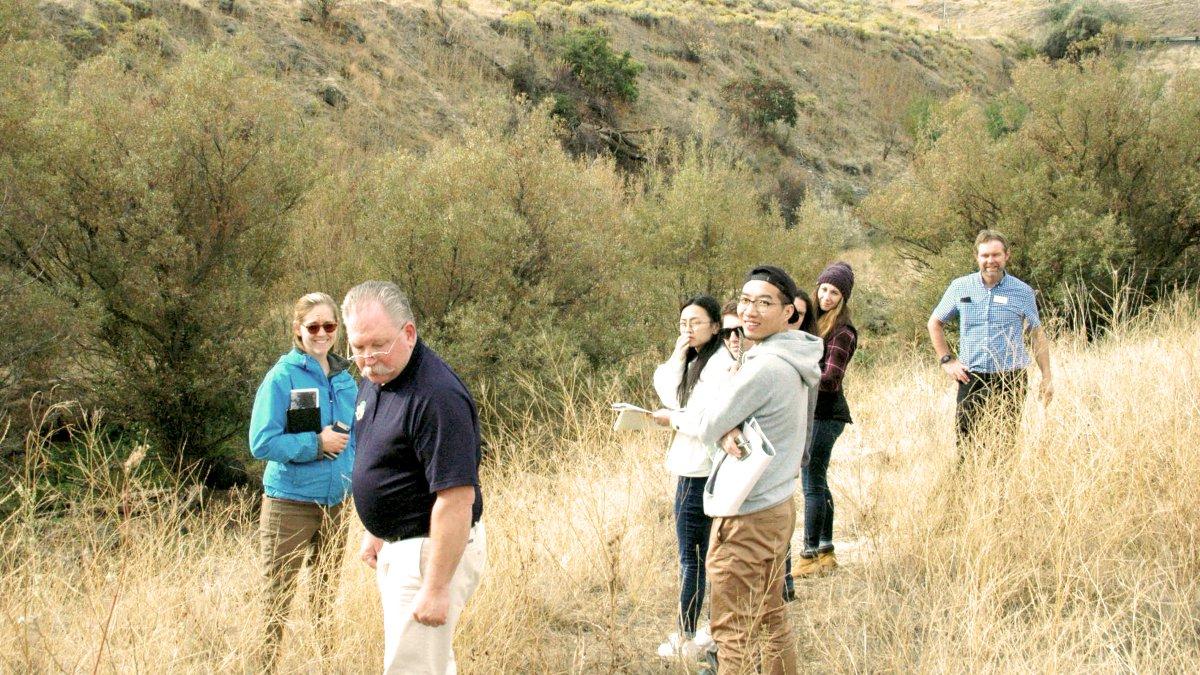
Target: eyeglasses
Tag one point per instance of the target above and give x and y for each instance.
(735, 331)
(314, 328)
(694, 324)
(761, 304)
(360, 358)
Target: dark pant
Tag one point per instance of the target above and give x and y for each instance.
(818, 500)
(692, 529)
(993, 400)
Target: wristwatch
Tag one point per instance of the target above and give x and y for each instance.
(946, 359)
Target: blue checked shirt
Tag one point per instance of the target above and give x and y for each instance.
(992, 322)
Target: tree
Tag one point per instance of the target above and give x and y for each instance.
(153, 198)
(1091, 168)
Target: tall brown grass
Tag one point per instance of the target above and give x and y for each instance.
(1075, 551)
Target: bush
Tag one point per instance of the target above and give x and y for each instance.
(1088, 169)
(161, 201)
(599, 70)
(1074, 24)
(760, 102)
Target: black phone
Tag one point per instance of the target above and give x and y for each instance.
(341, 427)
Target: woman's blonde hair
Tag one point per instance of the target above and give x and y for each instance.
(303, 306)
(828, 321)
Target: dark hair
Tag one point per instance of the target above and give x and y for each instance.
(809, 323)
(781, 281)
(696, 359)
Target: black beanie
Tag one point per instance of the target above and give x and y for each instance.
(779, 279)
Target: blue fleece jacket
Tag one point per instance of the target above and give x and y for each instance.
(295, 468)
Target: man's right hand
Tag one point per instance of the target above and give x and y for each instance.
(331, 443)
(955, 369)
(369, 551)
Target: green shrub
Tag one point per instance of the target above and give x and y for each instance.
(759, 102)
(162, 201)
(1075, 23)
(521, 24)
(600, 71)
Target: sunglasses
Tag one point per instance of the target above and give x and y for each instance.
(314, 328)
(727, 333)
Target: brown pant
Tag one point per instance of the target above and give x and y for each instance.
(287, 532)
(745, 571)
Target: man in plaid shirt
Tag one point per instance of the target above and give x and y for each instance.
(995, 311)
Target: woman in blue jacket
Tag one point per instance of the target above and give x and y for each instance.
(307, 477)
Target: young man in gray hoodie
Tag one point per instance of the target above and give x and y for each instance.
(777, 386)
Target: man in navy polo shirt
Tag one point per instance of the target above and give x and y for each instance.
(995, 311)
(415, 480)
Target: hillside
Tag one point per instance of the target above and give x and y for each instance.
(996, 18)
(387, 75)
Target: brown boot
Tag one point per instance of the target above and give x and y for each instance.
(827, 562)
(806, 567)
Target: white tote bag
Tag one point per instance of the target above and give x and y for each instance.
(732, 478)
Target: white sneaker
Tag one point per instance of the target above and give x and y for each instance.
(677, 646)
(703, 637)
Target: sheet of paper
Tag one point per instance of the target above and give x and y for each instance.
(619, 407)
(632, 420)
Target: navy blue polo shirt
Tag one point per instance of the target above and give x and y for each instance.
(415, 435)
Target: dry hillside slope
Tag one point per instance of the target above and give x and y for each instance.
(401, 74)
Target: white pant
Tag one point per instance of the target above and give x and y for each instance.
(409, 646)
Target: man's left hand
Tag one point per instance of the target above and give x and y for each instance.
(1047, 390)
(431, 607)
(661, 417)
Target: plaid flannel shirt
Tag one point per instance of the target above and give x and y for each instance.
(992, 321)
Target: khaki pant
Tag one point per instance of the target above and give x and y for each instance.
(745, 572)
(411, 648)
(288, 531)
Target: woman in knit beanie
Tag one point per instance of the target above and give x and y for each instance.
(834, 326)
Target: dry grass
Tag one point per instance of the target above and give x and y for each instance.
(1002, 17)
(1075, 552)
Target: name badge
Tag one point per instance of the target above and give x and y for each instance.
(1000, 299)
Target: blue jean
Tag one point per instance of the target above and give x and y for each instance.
(691, 528)
(818, 500)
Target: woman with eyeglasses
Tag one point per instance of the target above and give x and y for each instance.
(300, 425)
(698, 366)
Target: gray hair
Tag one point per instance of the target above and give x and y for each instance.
(387, 294)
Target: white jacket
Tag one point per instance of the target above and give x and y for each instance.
(688, 455)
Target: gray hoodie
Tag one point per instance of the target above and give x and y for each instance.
(778, 386)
